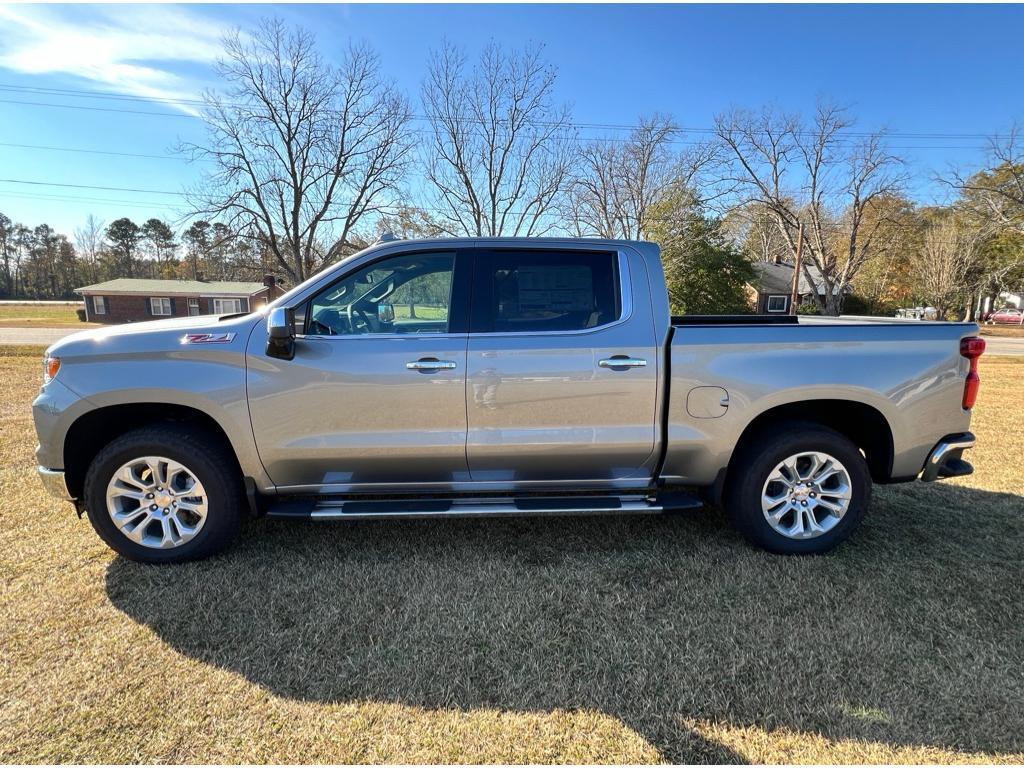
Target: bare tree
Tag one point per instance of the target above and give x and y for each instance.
(7, 253)
(499, 149)
(409, 222)
(302, 151)
(997, 194)
(752, 227)
(947, 263)
(816, 174)
(89, 243)
(619, 180)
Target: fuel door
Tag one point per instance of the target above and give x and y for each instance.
(707, 402)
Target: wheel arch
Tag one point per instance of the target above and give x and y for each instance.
(91, 431)
(863, 424)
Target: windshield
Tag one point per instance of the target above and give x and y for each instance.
(284, 299)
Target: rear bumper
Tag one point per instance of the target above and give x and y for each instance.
(946, 460)
(53, 482)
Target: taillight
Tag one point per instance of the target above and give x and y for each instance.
(972, 348)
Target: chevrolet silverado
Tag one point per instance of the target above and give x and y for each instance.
(496, 377)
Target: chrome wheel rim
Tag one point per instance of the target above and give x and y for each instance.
(806, 495)
(156, 502)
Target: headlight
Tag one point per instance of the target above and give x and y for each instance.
(50, 367)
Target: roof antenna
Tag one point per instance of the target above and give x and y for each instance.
(387, 237)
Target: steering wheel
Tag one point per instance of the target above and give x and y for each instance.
(358, 320)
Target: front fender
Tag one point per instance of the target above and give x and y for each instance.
(152, 368)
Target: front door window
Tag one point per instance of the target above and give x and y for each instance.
(408, 294)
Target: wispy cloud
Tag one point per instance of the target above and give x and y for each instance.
(149, 51)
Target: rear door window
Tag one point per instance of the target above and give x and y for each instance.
(538, 291)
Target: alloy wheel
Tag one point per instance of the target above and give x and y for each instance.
(156, 502)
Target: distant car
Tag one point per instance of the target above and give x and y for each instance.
(1007, 316)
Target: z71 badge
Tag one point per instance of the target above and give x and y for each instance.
(207, 338)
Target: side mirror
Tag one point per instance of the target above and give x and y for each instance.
(281, 333)
(386, 313)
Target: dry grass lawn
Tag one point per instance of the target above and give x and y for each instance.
(1011, 331)
(40, 316)
(531, 640)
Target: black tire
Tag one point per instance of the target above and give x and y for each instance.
(758, 458)
(204, 455)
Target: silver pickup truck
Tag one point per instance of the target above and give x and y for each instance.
(496, 377)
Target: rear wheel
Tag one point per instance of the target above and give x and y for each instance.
(802, 490)
(164, 494)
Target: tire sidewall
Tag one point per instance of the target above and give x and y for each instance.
(222, 507)
(744, 502)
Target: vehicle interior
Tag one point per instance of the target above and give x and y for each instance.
(408, 295)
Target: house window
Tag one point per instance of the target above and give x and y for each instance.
(227, 306)
(778, 303)
(193, 306)
(158, 306)
(99, 305)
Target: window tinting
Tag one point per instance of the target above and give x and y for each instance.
(546, 291)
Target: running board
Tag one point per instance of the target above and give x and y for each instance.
(360, 509)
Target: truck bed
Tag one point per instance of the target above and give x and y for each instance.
(723, 373)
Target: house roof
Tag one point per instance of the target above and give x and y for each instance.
(159, 287)
(778, 278)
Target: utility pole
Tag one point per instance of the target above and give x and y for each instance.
(793, 294)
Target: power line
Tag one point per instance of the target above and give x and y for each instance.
(98, 109)
(94, 200)
(180, 101)
(90, 186)
(92, 151)
(78, 93)
(385, 210)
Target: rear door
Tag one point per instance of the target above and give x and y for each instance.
(562, 368)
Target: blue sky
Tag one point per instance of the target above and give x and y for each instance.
(915, 69)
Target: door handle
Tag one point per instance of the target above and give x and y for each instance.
(621, 361)
(430, 364)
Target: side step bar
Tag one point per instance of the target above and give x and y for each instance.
(364, 509)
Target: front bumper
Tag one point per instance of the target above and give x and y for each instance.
(53, 482)
(945, 459)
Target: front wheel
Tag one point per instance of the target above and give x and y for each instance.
(802, 490)
(164, 494)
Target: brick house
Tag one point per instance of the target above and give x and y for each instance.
(128, 300)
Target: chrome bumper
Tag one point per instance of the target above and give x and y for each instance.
(53, 482)
(945, 461)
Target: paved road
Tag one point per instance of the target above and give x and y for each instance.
(44, 336)
(996, 345)
(1004, 345)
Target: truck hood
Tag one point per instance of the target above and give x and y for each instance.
(157, 336)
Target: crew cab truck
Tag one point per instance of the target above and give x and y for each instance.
(496, 377)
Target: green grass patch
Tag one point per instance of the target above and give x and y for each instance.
(42, 315)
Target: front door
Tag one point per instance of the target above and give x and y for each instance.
(563, 366)
(375, 396)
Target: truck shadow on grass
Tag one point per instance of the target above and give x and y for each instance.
(910, 634)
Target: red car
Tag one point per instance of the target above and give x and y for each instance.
(1008, 316)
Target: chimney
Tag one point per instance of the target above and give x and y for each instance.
(200, 276)
(270, 281)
